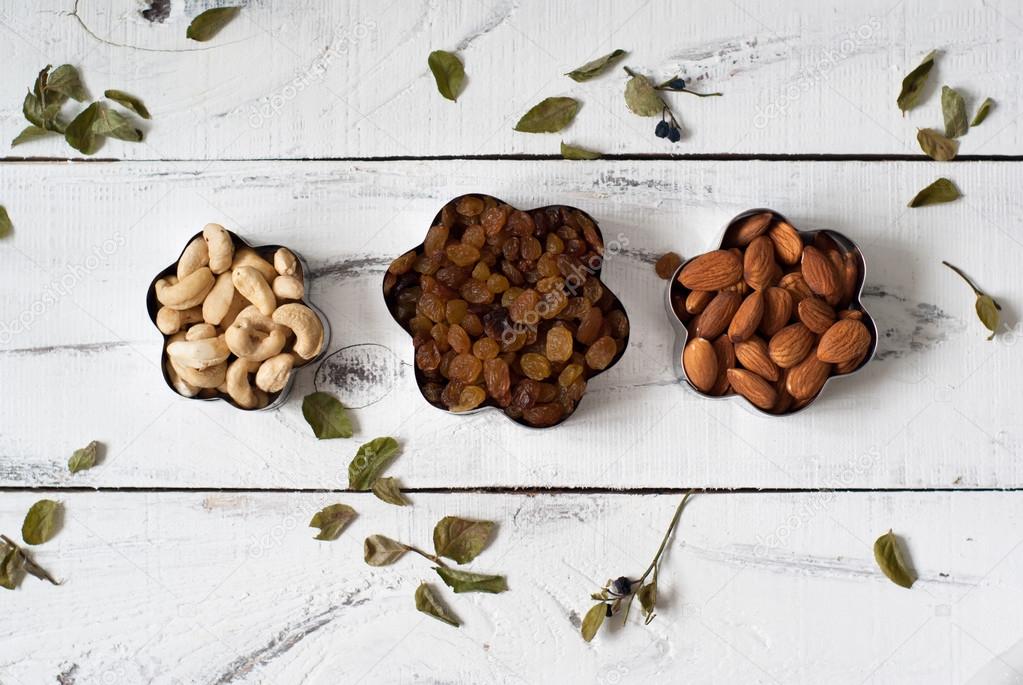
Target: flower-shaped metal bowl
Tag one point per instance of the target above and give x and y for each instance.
(266, 252)
(822, 239)
(393, 285)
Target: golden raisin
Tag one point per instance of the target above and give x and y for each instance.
(486, 348)
(462, 254)
(536, 366)
(601, 352)
(559, 344)
(465, 368)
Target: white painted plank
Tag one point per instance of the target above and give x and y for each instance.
(765, 588)
(303, 78)
(939, 408)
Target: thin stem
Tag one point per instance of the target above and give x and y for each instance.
(435, 559)
(34, 568)
(966, 278)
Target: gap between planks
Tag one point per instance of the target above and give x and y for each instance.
(528, 491)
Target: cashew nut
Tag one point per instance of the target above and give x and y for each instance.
(195, 256)
(254, 288)
(210, 377)
(220, 246)
(306, 325)
(181, 386)
(274, 373)
(246, 256)
(238, 387)
(254, 336)
(201, 331)
(199, 354)
(218, 301)
(238, 304)
(286, 263)
(186, 293)
(170, 321)
(288, 288)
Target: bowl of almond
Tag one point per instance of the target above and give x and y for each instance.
(771, 316)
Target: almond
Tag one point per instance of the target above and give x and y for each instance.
(759, 269)
(725, 352)
(747, 317)
(846, 340)
(711, 271)
(753, 355)
(788, 246)
(806, 378)
(698, 300)
(850, 314)
(785, 400)
(777, 310)
(816, 314)
(743, 231)
(790, 345)
(754, 388)
(700, 364)
(850, 276)
(851, 365)
(738, 287)
(796, 286)
(716, 317)
(818, 272)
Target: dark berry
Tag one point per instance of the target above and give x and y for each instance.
(674, 135)
(607, 611)
(677, 84)
(621, 586)
(662, 130)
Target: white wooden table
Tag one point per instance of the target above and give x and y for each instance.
(186, 553)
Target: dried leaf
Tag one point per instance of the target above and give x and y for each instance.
(573, 152)
(5, 223)
(461, 540)
(595, 67)
(988, 312)
(331, 520)
(12, 566)
(389, 490)
(982, 112)
(647, 596)
(40, 522)
(209, 23)
(550, 116)
(937, 146)
(448, 72)
(942, 190)
(592, 621)
(379, 550)
(953, 109)
(84, 458)
(641, 96)
(372, 458)
(889, 558)
(128, 102)
(65, 81)
(464, 581)
(326, 416)
(38, 115)
(914, 82)
(31, 133)
(107, 122)
(427, 602)
(80, 133)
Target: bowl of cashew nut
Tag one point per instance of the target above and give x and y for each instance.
(235, 320)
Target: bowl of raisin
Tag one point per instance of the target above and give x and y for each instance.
(506, 309)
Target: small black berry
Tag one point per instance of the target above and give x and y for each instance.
(607, 611)
(662, 130)
(674, 135)
(677, 84)
(621, 586)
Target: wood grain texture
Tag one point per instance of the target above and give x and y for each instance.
(309, 79)
(231, 588)
(78, 359)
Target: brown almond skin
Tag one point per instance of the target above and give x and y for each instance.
(788, 246)
(754, 388)
(743, 231)
(759, 269)
(785, 400)
(718, 314)
(777, 310)
(851, 314)
(790, 345)
(816, 314)
(753, 355)
(819, 272)
(850, 277)
(806, 379)
(725, 351)
(846, 340)
(700, 363)
(698, 300)
(711, 271)
(747, 318)
(851, 365)
(796, 286)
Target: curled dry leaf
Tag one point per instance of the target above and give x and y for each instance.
(331, 521)
(465, 581)
(461, 540)
(953, 109)
(128, 102)
(641, 96)
(371, 459)
(84, 458)
(937, 146)
(988, 309)
(913, 84)
(596, 67)
(209, 23)
(428, 603)
(982, 112)
(389, 490)
(380, 550)
(942, 190)
(448, 72)
(326, 416)
(891, 561)
(41, 522)
(592, 621)
(549, 116)
(577, 153)
(5, 223)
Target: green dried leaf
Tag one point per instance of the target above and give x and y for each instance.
(427, 602)
(326, 416)
(953, 109)
(982, 112)
(592, 621)
(889, 558)
(371, 459)
(914, 82)
(937, 146)
(40, 522)
(647, 596)
(12, 566)
(209, 23)
(80, 133)
(641, 96)
(31, 133)
(114, 125)
(65, 81)
(84, 458)
(573, 152)
(389, 490)
(461, 540)
(43, 117)
(988, 312)
(550, 116)
(331, 520)
(5, 223)
(379, 550)
(464, 581)
(128, 102)
(942, 190)
(595, 67)
(448, 72)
